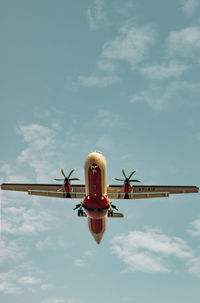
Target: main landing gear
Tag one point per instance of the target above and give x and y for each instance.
(81, 212)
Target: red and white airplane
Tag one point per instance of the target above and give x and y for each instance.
(96, 194)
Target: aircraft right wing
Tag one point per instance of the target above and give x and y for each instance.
(149, 191)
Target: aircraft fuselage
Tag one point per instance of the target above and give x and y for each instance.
(96, 203)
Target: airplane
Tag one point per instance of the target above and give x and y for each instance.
(96, 194)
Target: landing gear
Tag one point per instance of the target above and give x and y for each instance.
(110, 213)
(80, 213)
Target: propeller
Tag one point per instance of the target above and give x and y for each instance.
(128, 179)
(67, 178)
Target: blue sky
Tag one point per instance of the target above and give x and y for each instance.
(121, 77)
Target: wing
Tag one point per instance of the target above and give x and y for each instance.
(148, 191)
(50, 190)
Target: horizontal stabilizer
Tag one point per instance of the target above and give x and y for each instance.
(115, 215)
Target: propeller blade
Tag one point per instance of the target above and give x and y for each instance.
(77, 206)
(70, 173)
(117, 179)
(72, 179)
(135, 181)
(58, 179)
(123, 172)
(63, 173)
(134, 171)
(114, 206)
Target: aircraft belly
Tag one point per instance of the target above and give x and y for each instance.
(97, 228)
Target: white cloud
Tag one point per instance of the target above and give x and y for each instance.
(11, 251)
(148, 251)
(193, 266)
(41, 149)
(175, 93)
(25, 221)
(189, 7)
(79, 263)
(132, 44)
(163, 71)
(44, 244)
(106, 66)
(22, 278)
(99, 81)
(28, 280)
(185, 43)
(195, 231)
(96, 15)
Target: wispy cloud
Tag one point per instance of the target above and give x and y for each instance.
(193, 266)
(96, 15)
(25, 220)
(148, 251)
(40, 150)
(79, 263)
(107, 66)
(195, 230)
(185, 43)
(98, 80)
(132, 44)
(160, 97)
(172, 69)
(11, 251)
(23, 278)
(189, 7)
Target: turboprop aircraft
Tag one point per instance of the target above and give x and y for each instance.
(96, 194)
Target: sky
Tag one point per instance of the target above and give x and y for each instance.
(121, 77)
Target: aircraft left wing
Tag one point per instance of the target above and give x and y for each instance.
(50, 190)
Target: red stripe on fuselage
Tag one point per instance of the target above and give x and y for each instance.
(94, 179)
(95, 200)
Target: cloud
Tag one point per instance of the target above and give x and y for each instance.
(185, 43)
(23, 278)
(25, 221)
(193, 266)
(107, 66)
(98, 81)
(79, 263)
(189, 7)
(132, 44)
(164, 71)
(11, 251)
(41, 149)
(195, 231)
(160, 97)
(96, 15)
(148, 251)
